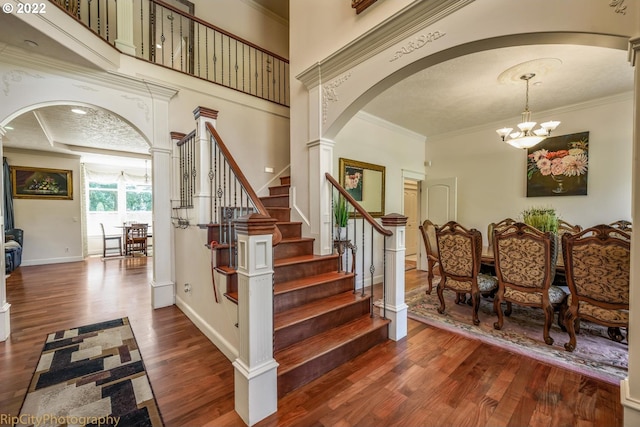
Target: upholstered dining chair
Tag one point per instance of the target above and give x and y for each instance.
(525, 261)
(597, 270)
(428, 231)
(500, 225)
(622, 224)
(459, 252)
(564, 227)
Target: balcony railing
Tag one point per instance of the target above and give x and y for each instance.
(175, 39)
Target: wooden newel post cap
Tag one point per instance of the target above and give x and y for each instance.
(394, 220)
(209, 113)
(255, 224)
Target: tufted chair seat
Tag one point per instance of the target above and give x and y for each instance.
(597, 271)
(525, 262)
(459, 252)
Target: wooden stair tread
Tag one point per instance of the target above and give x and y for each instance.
(296, 239)
(284, 287)
(232, 296)
(315, 308)
(313, 347)
(301, 259)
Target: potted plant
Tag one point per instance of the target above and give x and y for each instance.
(341, 216)
(543, 219)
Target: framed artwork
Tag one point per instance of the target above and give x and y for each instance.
(365, 183)
(559, 166)
(41, 183)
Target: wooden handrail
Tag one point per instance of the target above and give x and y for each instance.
(380, 229)
(220, 30)
(277, 235)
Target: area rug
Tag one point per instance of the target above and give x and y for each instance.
(91, 375)
(595, 355)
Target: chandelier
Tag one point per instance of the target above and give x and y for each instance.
(527, 137)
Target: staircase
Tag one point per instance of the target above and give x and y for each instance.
(319, 321)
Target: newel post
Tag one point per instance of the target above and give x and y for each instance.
(256, 383)
(396, 309)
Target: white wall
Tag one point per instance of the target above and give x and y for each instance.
(368, 139)
(492, 174)
(52, 228)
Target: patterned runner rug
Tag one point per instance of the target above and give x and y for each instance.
(595, 355)
(91, 375)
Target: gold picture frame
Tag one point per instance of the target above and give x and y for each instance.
(41, 183)
(365, 182)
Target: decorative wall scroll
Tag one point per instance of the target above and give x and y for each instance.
(417, 43)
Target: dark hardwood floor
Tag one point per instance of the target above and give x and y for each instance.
(433, 377)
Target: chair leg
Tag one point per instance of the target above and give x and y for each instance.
(571, 320)
(440, 289)
(498, 310)
(430, 266)
(548, 320)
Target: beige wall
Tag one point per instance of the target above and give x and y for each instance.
(491, 175)
(52, 228)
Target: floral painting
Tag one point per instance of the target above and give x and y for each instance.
(559, 166)
(41, 183)
(353, 181)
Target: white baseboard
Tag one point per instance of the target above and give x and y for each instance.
(223, 345)
(44, 261)
(631, 405)
(5, 321)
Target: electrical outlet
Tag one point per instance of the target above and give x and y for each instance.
(187, 288)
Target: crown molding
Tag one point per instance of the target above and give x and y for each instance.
(393, 30)
(391, 126)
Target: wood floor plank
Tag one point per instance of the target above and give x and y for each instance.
(432, 377)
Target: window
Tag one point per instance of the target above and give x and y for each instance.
(113, 203)
(138, 198)
(103, 197)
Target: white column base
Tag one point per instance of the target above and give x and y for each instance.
(255, 398)
(162, 294)
(398, 317)
(631, 406)
(5, 321)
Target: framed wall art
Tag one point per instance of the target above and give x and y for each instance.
(559, 166)
(365, 183)
(41, 183)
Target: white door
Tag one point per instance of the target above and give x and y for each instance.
(441, 198)
(411, 212)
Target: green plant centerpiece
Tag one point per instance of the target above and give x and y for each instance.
(341, 213)
(543, 219)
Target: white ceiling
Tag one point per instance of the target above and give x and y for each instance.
(456, 94)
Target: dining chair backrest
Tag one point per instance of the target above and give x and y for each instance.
(138, 230)
(597, 265)
(565, 227)
(525, 257)
(428, 230)
(497, 226)
(459, 251)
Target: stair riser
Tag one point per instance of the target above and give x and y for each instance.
(280, 214)
(285, 180)
(309, 294)
(279, 190)
(330, 319)
(321, 365)
(290, 230)
(284, 273)
(292, 249)
(275, 201)
(217, 234)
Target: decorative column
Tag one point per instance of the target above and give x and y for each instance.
(256, 382)
(5, 324)
(396, 309)
(630, 386)
(204, 156)
(320, 162)
(124, 15)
